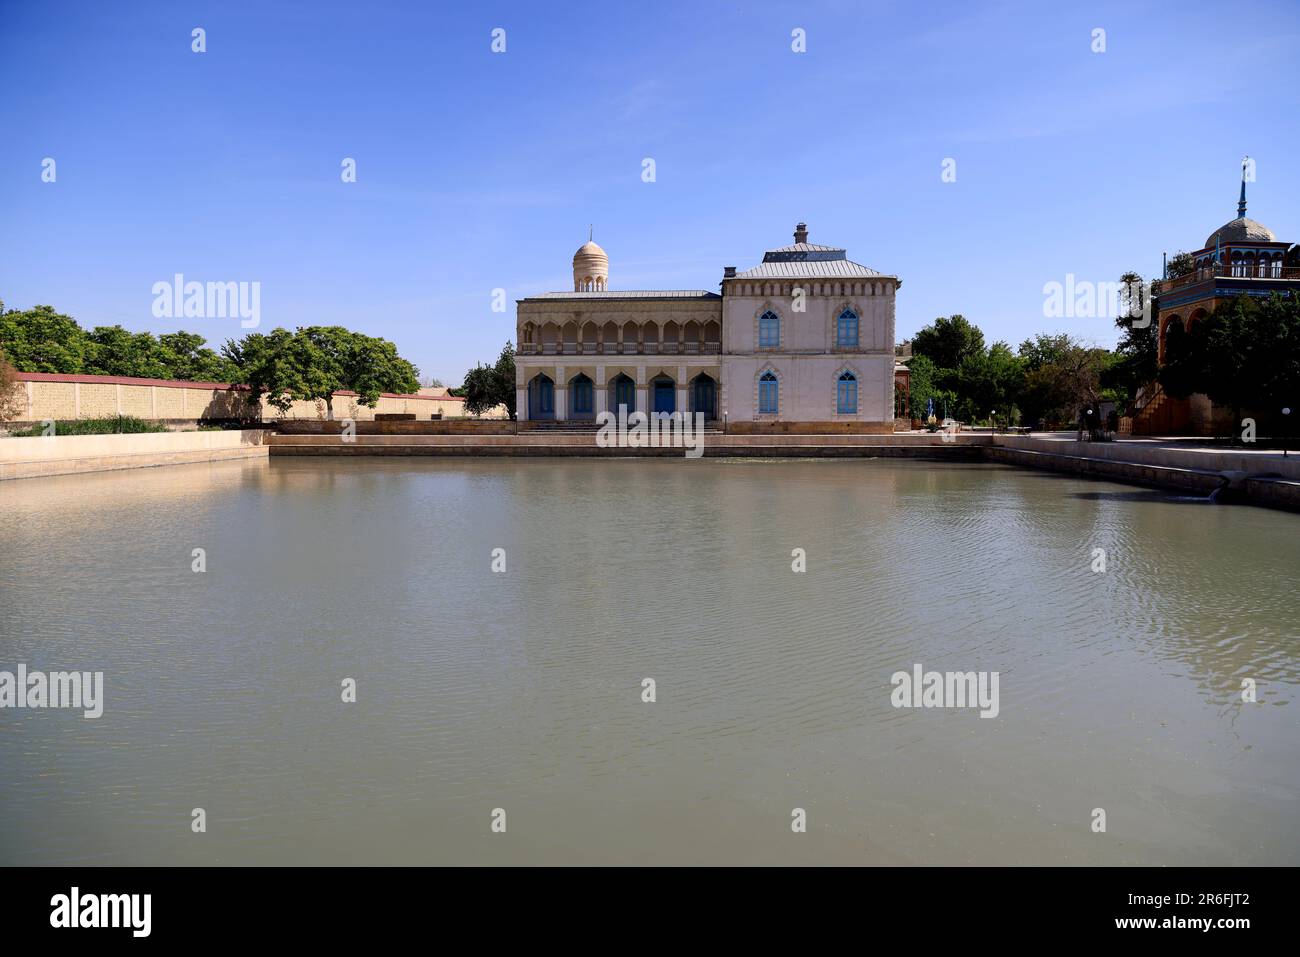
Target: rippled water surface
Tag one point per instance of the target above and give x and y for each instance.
(522, 690)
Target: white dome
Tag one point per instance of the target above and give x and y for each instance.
(590, 268)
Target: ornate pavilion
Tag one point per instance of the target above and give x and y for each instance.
(1241, 257)
(804, 341)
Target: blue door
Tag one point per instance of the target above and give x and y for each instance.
(665, 397)
(541, 398)
(705, 393)
(624, 394)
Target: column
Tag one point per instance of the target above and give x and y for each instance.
(602, 391)
(561, 393)
(521, 404)
(682, 405)
(641, 391)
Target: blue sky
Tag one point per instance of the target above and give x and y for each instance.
(478, 170)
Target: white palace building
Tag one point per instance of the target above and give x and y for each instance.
(802, 342)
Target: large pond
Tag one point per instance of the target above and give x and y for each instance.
(521, 690)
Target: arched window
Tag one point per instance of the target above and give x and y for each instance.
(846, 394)
(622, 393)
(580, 387)
(769, 330)
(541, 397)
(663, 394)
(704, 395)
(846, 331)
(768, 389)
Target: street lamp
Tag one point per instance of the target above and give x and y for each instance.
(992, 427)
(1286, 431)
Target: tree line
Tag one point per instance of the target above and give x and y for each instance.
(1244, 356)
(309, 364)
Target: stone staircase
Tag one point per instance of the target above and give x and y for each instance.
(582, 426)
(1160, 414)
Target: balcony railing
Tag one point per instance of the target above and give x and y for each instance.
(619, 348)
(1232, 270)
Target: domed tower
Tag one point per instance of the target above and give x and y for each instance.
(590, 268)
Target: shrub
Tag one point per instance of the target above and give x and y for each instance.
(112, 425)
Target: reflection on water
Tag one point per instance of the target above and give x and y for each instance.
(522, 690)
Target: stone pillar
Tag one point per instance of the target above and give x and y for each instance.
(641, 391)
(561, 394)
(521, 404)
(602, 390)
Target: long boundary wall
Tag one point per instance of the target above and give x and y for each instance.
(45, 396)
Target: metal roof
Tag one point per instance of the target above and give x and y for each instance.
(815, 269)
(629, 294)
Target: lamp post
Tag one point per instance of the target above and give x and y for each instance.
(1286, 431)
(992, 427)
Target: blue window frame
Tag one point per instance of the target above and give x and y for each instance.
(768, 389)
(583, 396)
(705, 393)
(846, 333)
(665, 395)
(541, 398)
(769, 330)
(846, 394)
(624, 394)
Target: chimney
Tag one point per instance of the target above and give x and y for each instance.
(728, 272)
(801, 233)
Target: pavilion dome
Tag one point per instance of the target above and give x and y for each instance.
(590, 268)
(1239, 230)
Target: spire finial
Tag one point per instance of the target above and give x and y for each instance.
(1241, 203)
(590, 231)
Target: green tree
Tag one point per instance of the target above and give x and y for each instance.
(1062, 377)
(1245, 356)
(1180, 265)
(988, 381)
(11, 395)
(115, 351)
(312, 363)
(1134, 362)
(187, 357)
(42, 340)
(486, 387)
(947, 342)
